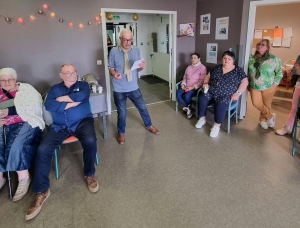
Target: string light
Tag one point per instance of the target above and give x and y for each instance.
(52, 14)
(21, 20)
(7, 19)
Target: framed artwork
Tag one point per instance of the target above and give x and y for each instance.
(205, 24)
(187, 29)
(211, 53)
(222, 28)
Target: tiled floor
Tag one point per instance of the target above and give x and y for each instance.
(152, 93)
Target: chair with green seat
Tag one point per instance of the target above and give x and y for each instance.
(48, 121)
(295, 128)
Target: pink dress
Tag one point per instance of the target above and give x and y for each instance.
(13, 118)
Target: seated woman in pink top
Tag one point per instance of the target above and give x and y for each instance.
(21, 122)
(191, 82)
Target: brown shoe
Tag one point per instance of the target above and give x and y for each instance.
(121, 138)
(92, 183)
(153, 130)
(37, 204)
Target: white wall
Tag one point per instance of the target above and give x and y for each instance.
(284, 15)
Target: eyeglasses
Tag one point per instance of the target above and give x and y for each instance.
(8, 80)
(263, 45)
(125, 40)
(69, 73)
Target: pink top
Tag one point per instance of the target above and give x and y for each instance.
(194, 75)
(13, 118)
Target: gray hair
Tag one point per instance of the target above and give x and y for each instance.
(8, 71)
(125, 31)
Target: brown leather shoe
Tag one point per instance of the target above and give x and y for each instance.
(37, 204)
(153, 130)
(121, 138)
(92, 183)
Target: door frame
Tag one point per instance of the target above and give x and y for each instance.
(172, 45)
(250, 33)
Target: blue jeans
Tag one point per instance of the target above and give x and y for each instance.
(219, 108)
(137, 99)
(85, 132)
(185, 98)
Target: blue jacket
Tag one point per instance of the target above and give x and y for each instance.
(79, 92)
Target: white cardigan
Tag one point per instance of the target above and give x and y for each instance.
(28, 102)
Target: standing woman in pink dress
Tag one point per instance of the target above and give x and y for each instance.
(191, 82)
(21, 122)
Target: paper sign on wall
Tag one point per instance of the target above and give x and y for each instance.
(278, 32)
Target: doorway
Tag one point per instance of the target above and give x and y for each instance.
(144, 43)
(249, 39)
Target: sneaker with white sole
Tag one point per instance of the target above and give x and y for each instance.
(22, 189)
(189, 113)
(2, 182)
(264, 125)
(271, 121)
(214, 132)
(201, 122)
(286, 130)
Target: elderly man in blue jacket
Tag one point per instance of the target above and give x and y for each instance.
(69, 105)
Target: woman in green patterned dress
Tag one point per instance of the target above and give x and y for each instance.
(264, 72)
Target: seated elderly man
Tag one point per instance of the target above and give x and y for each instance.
(68, 102)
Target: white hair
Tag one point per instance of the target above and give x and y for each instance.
(125, 31)
(8, 71)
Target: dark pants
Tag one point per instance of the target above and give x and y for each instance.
(219, 108)
(185, 98)
(85, 132)
(137, 99)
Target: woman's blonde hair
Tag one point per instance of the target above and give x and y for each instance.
(268, 43)
(8, 71)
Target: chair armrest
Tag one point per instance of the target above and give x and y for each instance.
(178, 84)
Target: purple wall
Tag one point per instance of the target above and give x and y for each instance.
(229, 8)
(38, 49)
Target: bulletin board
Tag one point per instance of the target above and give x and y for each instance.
(265, 32)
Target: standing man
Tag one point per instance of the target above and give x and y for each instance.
(125, 82)
(69, 105)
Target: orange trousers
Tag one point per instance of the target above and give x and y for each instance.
(262, 99)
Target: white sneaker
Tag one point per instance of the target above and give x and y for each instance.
(22, 189)
(271, 121)
(200, 123)
(214, 131)
(286, 130)
(264, 125)
(2, 182)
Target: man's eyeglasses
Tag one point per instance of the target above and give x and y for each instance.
(8, 80)
(263, 45)
(125, 40)
(68, 73)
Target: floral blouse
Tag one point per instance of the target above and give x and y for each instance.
(10, 119)
(270, 72)
(222, 86)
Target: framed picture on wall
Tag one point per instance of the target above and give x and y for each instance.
(187, 29)
(205, 24)
(222, 25)
(211, 53)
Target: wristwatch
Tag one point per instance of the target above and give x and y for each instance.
(238, 92)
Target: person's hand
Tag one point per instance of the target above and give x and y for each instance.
(183, 86)
(118, 76)
(142, 65)
(204, 86)
(3, 113)
(235, 96)
(71, 105)
(2, 122)
(189, 88)
(61, 99)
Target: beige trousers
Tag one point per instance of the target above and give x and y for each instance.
(262, 99)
